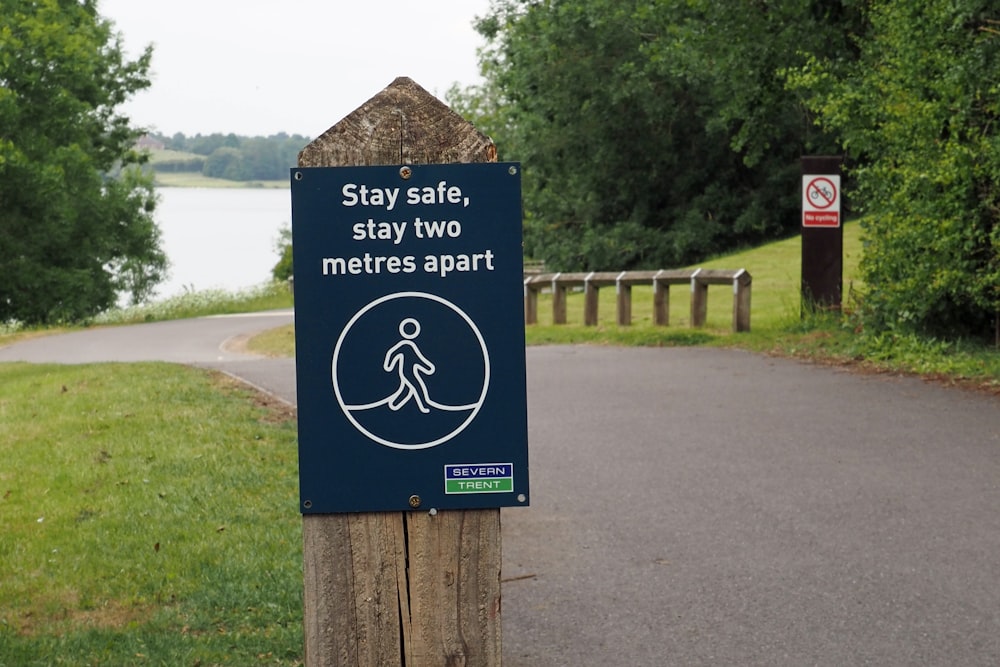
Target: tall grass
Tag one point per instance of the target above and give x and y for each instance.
(199, 303)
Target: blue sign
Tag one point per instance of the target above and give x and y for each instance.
(409, 335)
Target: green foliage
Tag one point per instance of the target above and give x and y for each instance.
(72, 236)
(652, 134)
(919, 111)
(235, 157)
(283, 270)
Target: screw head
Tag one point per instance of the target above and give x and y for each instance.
(414, 501)
(405, 173)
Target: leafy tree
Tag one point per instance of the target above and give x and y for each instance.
(72, 236)
(652, 134)
(236, 157)
(920, 112)
(283, 270)
(226, 162)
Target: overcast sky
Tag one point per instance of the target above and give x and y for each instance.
(258, 67)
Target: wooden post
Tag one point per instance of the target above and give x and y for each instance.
(589, 301)
(822, 246)
(530, 303)
(394, 588)
(558, 301)
(699, 301)
(623, 294)
(741, 301)
(661, 301)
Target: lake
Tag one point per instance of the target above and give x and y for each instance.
(220, 238)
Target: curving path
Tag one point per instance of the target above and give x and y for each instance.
(712, 507)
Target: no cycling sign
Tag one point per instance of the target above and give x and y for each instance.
(409, 334)
(821, 200)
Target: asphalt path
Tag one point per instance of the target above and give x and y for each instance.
(696, 506)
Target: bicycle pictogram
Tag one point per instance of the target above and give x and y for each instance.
(821, 193)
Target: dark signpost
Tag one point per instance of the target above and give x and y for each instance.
(822, 232)
(409, 337)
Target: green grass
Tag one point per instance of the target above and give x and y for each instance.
(149, 517)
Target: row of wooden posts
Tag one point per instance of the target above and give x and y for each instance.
(698, 279)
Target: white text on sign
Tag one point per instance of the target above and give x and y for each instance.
(355, 194)
(399, 231)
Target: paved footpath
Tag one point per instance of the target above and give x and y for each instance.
(696, 506)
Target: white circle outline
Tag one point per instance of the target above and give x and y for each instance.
(833, 186)
(420, 295)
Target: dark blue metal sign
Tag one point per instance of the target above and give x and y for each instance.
(409, 334)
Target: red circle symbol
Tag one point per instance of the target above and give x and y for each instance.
(821, 193)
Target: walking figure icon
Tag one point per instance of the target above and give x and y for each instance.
(385, 378)
(410, 361)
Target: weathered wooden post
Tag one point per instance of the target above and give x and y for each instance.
(661, 300)
(558, 300)
(623, 294)
(387, 588)
(590, 302)
(530, 303)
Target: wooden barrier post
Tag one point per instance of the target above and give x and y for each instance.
(589, 301)
(558, 301)
(623, 294)
(401, 588)
(530, 303)
(741, 301)
(699, 300)
(661, 301)
(740, 280)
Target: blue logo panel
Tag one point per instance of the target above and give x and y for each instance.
(409, 337)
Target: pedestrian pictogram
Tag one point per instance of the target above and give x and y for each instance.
(401, 397)
(821, 201)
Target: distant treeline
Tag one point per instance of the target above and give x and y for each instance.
(232, 157)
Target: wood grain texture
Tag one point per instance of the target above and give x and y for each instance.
(384, 587)
(403, 124)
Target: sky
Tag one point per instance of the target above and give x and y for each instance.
(259, 67)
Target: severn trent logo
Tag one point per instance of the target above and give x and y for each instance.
(479, 478)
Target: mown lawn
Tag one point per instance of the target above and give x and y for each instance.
(150, 517)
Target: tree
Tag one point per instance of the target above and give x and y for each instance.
(72, 235)
(919, 112)
(652, 134)
(283, 270)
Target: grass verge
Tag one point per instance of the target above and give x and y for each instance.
(149, 515)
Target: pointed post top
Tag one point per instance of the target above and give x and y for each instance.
(403, 124)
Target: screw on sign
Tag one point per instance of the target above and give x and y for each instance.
(821, 201)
